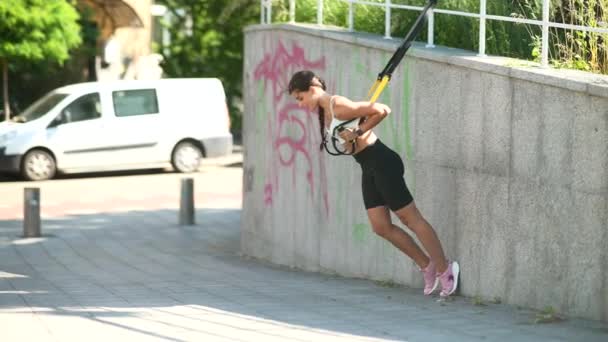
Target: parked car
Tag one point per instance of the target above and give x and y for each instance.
(121, 125)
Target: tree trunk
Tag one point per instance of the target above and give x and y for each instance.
(7, 109)
(91, 69)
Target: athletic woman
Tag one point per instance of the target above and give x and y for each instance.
(383, 185)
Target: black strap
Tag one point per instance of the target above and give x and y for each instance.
(407, 42)
(336, 142)
(387, 71)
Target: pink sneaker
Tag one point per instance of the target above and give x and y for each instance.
(430, 278)
(449, 279)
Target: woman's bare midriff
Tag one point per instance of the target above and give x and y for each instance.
(368, 138)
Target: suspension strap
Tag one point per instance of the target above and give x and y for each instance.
(385, 75)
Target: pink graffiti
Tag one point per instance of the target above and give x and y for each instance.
(275, 70)
(277, 67)
(268, 194)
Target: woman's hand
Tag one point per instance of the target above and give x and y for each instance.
(384, 109)
(348, 134)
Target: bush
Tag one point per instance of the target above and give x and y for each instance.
(568, 48)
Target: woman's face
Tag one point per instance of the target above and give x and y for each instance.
(306, 99)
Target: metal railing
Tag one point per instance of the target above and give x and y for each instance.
(545, 23)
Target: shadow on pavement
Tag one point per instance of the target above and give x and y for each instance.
(141, 264)
(114, 268)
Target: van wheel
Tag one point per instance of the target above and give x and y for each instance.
(38, 165)
(186, 157)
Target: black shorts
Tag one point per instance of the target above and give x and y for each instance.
(382, 179)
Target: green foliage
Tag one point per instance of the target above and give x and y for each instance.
(207, 41)
(568, 48)
(576, 49)
(38, 30)
(548, 315)
(35, 35)
(31, 80)
(503, 38)
(387, 283)
(478, 301)
(496, 300)
(335, 13)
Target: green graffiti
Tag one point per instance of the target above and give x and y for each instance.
(391, 132)
(360, 232)
(407, 134)
(405, 104)
(359, 67)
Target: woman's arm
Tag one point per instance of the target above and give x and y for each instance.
(345, 109)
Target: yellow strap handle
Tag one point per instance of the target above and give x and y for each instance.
(373, 88)
(378, 87)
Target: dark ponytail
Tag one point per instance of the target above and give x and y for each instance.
(302, 81)
(322, 118)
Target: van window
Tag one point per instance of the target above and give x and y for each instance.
(135, 102)
(40, 107)
(86, 107)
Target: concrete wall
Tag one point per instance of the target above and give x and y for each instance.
(508, 162)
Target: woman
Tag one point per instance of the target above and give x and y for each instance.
(382, 178)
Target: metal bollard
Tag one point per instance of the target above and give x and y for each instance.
(31, 212)
(186, 205)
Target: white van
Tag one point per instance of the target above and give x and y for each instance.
(121, 125)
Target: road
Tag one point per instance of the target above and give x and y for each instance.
(120, 191)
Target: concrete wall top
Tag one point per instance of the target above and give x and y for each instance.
(580, 81)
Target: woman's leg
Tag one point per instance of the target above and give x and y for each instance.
(412, 218)
(387, 178)
(380, 219)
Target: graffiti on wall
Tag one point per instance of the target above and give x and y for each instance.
(286, 148)
(293, 131)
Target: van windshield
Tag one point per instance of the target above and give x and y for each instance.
(40, 107)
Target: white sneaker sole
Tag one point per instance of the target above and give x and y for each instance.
(434, 287)
(455, 273)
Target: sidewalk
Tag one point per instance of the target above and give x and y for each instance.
(137, 276)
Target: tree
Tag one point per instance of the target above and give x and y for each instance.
(36, 31)
(30, 80)
(207, 41)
